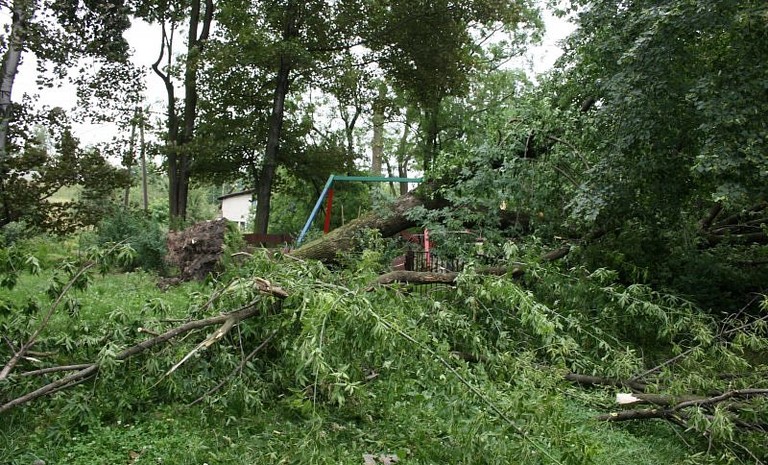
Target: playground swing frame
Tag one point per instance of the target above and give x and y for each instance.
(328, 190)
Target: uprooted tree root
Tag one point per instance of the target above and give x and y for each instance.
(196, 251)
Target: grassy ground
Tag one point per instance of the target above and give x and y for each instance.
(178, 435)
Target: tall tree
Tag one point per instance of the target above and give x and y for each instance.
(306, 33)
(290, 20)
(377, 143)
(181, 123)
(21, 12)
(679, 92)
(428, 70)
(58, 32)
(660, 109)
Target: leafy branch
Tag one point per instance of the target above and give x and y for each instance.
(11, 364)
(88, 371)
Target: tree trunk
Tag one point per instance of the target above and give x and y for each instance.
(269, 164)
(143, 152)
(403, 156)
(395, 219)
(172, 121)
(178, 156)
(21, 12)
(349, 130)
(377, 144)
(342, 239)
(431, 146)
(130, 157)
(390, 174)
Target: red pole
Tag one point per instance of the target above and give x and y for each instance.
(329, 205)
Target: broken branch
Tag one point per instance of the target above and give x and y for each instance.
(45, 371)
(637, 386)
(32, 339)
(428, 277)
(265, 287)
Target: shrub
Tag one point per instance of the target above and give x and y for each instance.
(143, 233)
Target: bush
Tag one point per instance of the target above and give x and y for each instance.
(14, 232)
(143, 233)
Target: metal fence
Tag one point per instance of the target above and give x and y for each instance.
(420, 260)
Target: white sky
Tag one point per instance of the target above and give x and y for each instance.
(144, 40)
(542, 57)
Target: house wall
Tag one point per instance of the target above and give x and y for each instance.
(237, 208)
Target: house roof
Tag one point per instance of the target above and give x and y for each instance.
(237, 194)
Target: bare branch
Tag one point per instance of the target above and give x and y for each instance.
(737, 393)
(45, 371)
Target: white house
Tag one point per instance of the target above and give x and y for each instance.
(237, 206)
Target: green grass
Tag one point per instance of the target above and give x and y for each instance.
(176, 435)
(179, 435)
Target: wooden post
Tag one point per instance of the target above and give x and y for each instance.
(143, 152)
(327, 225)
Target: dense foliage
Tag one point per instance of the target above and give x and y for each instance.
(47, 161)
(673, 138)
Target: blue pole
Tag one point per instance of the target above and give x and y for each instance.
(315, 210)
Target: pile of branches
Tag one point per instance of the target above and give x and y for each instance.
(745, 226)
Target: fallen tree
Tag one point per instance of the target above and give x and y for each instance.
(449, 277)
(83, 372)
(335, 335)
(387, 223)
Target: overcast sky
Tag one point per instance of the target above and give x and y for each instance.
(144, 38)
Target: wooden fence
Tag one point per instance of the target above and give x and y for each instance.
(268, 240)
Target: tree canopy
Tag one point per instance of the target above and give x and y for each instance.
(680, 93)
